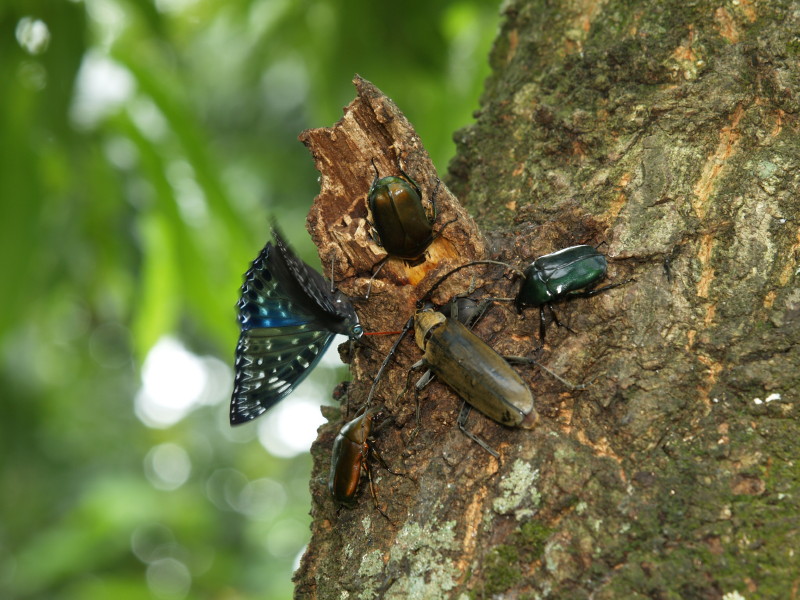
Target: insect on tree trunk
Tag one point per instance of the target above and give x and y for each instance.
(667, 132)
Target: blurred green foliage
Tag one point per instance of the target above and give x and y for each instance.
(144, 145)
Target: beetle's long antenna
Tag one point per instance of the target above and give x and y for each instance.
(372, 160)
(462, 425)
(441, 229)
(527, 360)
(382, 264)
(386, 360)
(333, 262)
(469, 264)
(382, 332)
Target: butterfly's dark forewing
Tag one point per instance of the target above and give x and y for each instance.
(262, 302)
(309, 291)
(280, 341)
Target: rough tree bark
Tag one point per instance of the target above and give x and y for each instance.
(669, 131)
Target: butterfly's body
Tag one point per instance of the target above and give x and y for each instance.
(288, 318)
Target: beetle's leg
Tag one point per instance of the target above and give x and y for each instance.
(377, 454)
(426, 378)
(372, 491)
(543, 323)
(555, 320)
(374, 450)
(481, 308)
(594, 292)
(527, 360)
(373, 233)
(421, 364)
(423, 381)
(433, 199)
(415, 262)
(462, 425)
(409, 179)
(588, 293)
(441, 229)
(381, 263)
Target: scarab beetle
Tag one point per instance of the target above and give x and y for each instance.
(477, 373)
(349, 457)
(569, 273)
(553, 276)
(288, 316)
(399, 219)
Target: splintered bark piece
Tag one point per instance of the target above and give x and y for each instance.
(374, 129)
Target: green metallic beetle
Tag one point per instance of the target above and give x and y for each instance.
(478, 374)
(555, 275)
(569, 273)
(399, 219)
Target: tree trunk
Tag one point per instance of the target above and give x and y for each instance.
(668, 132)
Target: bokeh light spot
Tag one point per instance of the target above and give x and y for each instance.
(33, 35)
(173, 382)
(262, 499)
(282, 539)
(167, 466)
(169, 579)
(102, 86)
(289, 428)
(148, 542)
(224, 487)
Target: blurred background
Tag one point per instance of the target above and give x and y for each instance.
(144, 145)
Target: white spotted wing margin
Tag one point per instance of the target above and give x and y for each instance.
(288, 318)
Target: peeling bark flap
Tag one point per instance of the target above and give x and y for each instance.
(374, 129)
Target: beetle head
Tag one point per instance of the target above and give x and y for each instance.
(425, 321)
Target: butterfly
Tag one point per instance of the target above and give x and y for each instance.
(288, 317)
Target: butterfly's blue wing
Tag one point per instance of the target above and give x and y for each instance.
(280, 342)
